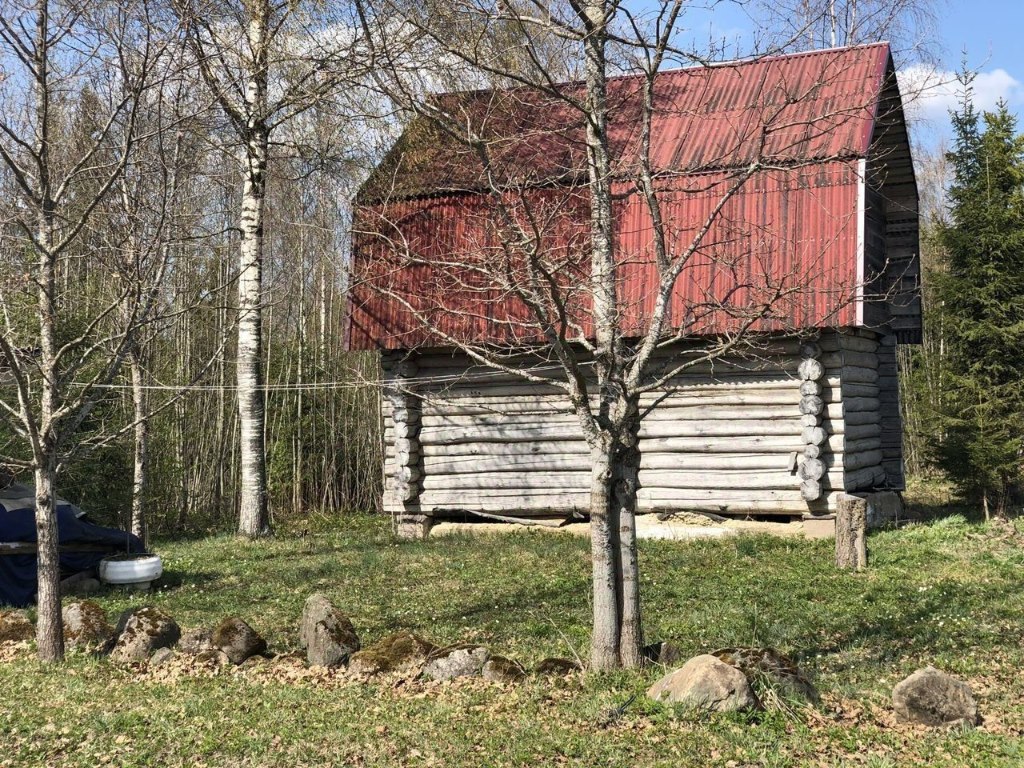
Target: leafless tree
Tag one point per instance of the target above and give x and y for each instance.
(266, 63)
(568, 305)
(106, 59)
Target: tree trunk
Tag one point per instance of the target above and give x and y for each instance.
(604, 548)
(141, 445)
(253, 520)
(49, 625)
(626, 479)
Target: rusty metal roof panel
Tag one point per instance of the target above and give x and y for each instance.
(787, 109)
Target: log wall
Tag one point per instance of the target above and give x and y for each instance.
(783, 432)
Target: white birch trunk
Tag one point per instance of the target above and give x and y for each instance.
(253, 518)
(140, 407)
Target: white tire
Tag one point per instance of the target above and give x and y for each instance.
(143, 568)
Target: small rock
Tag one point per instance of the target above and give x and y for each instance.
(160, 657)
(498, 669)
(238, 640)
(934, 698)
(86, 625)
(555, 667)
(213, 657)
(196, 641)
(706, 682)
(15, 627)
(326, 633)
(449, 663)
(772, 671)
(141, 631)
(402, 652)
(82, 584)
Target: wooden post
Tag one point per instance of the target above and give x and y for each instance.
(851, 526)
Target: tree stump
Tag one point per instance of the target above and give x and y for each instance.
(851, 527)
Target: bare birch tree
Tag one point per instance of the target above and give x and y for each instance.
(265, 63)
(53, 53)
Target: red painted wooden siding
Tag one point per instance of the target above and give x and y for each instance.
(432, 264)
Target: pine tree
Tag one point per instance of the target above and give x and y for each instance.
(981, 294)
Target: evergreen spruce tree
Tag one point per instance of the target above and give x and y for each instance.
(981, 293)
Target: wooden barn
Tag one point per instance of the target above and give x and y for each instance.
(821, 236)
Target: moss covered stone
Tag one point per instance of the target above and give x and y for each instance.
(86, 625)
(401, 652)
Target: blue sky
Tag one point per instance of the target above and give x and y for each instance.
(990, 32)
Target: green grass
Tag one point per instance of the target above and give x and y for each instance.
(947, 593)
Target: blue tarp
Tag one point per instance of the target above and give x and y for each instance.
(17, 524)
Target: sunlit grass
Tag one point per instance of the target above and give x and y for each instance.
(948, 593)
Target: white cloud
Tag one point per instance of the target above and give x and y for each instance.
(930, 94)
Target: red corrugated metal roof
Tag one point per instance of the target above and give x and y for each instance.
(783, 109)
(429, 254)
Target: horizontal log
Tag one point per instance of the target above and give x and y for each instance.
(404, 474)
(810, 370)
(857, 343)
(811, 405)
(852, 461)
(813, 435)
(406, 458)
(854, 375)
(671, 445)
(482, 484)
(869, 477)
(811, 469)
(862, 431)
(703, 462)
(857, 418)
(781, 508)
(860, 404)
(662, 415)
(810, 490)
(405, 415)
(851, 389)
(721, 497)
(861, 446)
(810, 388)
(403, 430)
(810, 349)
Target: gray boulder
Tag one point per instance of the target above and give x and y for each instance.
(140, 631)
(238, 640)
(705, 682)
(86, 625)
(196, 641)
(934, 698)
(326, 633)
(449, 663)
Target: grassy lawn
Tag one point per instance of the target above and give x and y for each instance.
(949, 593)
